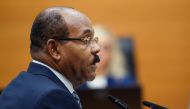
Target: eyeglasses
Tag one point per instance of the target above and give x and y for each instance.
(85, 40)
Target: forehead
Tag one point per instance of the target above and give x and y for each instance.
(78, 23)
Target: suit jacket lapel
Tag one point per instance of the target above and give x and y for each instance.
(38, 69)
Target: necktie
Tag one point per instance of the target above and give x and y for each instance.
(76, 97)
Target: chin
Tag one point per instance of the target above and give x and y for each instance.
(91, 76)
(86, 78)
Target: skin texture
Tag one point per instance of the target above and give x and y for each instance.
(73, 59)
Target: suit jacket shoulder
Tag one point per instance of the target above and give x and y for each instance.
(35, 89)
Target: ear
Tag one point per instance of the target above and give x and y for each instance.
(52, 47)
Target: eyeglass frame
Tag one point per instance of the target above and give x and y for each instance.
(83, 39)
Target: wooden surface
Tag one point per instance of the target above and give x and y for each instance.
(160, 28)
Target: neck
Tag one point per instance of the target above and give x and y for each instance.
(44, 59)
(62, 68)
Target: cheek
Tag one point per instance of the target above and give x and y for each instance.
(77, 61)
(85, 58)
(83, 65)
(78, 56)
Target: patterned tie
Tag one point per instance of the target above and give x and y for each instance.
(76, 97)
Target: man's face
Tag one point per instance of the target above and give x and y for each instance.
(80, 58)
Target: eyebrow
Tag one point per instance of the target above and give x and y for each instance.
(87, 31)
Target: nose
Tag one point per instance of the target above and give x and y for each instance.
(95, 48)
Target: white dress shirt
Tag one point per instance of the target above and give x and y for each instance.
(62, 78)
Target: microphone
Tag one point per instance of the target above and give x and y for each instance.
(118, 102)
(152, 105)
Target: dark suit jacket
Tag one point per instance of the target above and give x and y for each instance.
(38, 88)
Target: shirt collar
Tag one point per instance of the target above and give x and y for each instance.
(61, 77)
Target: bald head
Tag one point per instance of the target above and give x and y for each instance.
(54, 22)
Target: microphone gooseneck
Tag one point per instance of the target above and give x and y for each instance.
(153, 105)
(118, 102)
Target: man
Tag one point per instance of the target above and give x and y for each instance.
(64, 52)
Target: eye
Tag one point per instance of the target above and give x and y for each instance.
(86, 40)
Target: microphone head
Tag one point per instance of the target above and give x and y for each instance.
(146, 103)
(112, 98)
(153, 105)
(118, 102)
